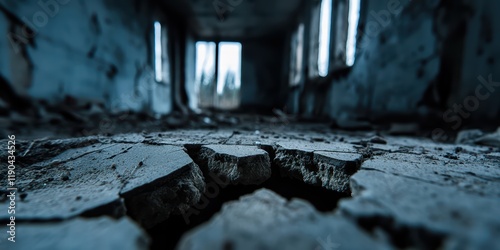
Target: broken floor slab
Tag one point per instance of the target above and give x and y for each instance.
(467, 172)
(320, 164)
(265, 220)
(418, 212)
(247, 165)
(79, 234)
(94, 179)
(153, 177)
(334, 170)
(30, 152)
(176, 196)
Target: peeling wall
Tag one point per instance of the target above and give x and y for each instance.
(92, 50)
(396, 62)
(482, 59)
(420, 62)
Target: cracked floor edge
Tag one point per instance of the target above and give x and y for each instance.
(381, 224)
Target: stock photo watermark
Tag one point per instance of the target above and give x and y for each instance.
(32, 24)
(459, 112)
(11, 187)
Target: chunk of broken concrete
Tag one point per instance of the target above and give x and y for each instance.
(333, 170)
(491, 139)
(80, 234)
(174, 197)
(265, 220)
(320, 164)
(422, 213)
(93, 180)
(476, 136)
(468, 136)
(247, 165)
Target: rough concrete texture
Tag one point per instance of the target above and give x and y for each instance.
(264, 220)
(175, 197)
(433, 199)
(245, 165)
(111, 50)
(95, 179)
(322, 164)
(406, 193)
(80, 234)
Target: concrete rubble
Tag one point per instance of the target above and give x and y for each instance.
(406, 192)
(108, 179)
(264, 220)
(238, 164)
(327, 165)
(81, 234)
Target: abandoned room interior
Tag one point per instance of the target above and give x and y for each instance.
(249, 124)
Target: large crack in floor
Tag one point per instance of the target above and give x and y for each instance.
(405, 194)
(176, 226)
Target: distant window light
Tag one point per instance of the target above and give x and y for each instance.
(324, 37)
(229, 66)
(354, 7)
(221, 91)
(297, 56)
(158, 52)
(205, 73)
(205, 62)
(229, 75)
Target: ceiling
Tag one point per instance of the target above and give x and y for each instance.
(235, 19)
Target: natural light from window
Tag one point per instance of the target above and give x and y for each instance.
(298, 55)
(205, 73)
(205, 62)
(324, 37)
(354, 6)
(158, 52)
(229, 75)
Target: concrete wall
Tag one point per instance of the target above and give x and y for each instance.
(481, 60)
(395, 63)
(92, 50)
(419, 61)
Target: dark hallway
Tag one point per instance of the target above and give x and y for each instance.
(249, 124)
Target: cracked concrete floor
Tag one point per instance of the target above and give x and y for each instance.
(399, 192)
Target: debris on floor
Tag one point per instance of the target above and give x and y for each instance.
(406, 192)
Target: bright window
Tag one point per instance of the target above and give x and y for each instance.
(205, 73)
(229, 75)
(297, 56)
(324, 37)
(354, 6)
(158, 52)
(205, 62)
(229, 66)
(221, 91)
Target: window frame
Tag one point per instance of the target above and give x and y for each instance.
(340, 36)
(215, 94)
